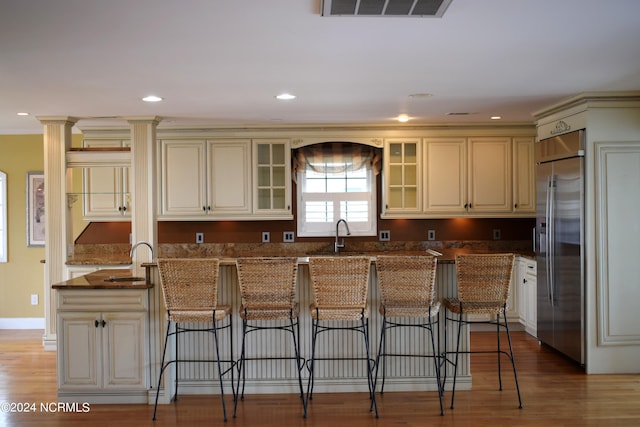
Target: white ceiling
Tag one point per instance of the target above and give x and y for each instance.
(221, 62)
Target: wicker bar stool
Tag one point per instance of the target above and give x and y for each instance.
(407, 291)
(268, 292)
(340, 287)
(190, 291)
(483, 288)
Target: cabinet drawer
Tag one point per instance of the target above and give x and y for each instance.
(102, 300)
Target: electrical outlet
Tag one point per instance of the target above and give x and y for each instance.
(497, 235)
(34, 299)
(266, 237)
(431, 235)
(385, 236)
(288, 237)
(199, 237)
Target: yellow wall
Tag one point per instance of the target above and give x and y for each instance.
(23, 274)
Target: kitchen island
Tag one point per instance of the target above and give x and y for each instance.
(403, 374)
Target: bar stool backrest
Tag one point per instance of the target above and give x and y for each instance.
(189, 284)
(340, 281)
(484, 277)
(406, 281)
(267, 282)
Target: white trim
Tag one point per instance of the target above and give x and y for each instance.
(3, 217)
(22, 323)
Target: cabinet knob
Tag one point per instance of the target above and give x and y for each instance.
(204, 209)
(103, 323)
(96, 323)
(515, 206)
(124, 209)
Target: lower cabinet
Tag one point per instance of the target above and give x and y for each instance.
(527, 282)
(101, 336)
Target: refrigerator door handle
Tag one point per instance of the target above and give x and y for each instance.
(547, 239)
(552, 239)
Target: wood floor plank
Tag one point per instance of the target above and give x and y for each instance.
(555, 392)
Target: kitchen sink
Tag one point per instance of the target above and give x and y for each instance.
(124, 279)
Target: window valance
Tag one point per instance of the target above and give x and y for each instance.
(336, 157)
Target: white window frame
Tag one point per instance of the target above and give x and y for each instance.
(3, 217)
(328, 229)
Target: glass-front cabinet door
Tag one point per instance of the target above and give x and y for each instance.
(272, 178)
(402, 172)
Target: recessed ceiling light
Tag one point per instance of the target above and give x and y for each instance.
(152, 98)
(496, 117)
(23, 114)
(285, 96)
(421, 95)
(402, 118)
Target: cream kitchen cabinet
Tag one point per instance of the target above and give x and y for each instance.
(272, 179)
(460, 177)
(490, 175)
(527, 294)
(102, 350)
(205, 179)
(524, 190)
(445, 161)
(466, 176)
(106, 194)
(402, 176)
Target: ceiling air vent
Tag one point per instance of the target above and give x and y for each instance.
(418, 8)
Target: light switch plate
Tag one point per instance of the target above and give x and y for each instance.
(385, 235)
(497, 234)
(431, 235)
(288, 237)
(199, 237)
(266, 237)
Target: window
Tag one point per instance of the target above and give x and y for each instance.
(336, 181)
(3, 217)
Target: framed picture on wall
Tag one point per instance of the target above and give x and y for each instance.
(35, 209)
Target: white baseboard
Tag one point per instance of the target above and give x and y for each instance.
(22, 323)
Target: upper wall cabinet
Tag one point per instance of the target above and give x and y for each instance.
(490, 175)
(524, 185)
(106, 194)
(462, 176)
(201, 178)
(272, 179)
(402, 180)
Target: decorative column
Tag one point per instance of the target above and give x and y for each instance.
(58, 230)
(144, 227)
(143, 187)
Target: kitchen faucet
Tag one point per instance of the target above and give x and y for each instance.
(337, 246)
(133, 248)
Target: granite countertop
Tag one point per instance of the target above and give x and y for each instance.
(105, 279)
(118, 255)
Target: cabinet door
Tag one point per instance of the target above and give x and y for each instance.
(123, 346)
(490, 178)
(229, 177)
(105, 189)
(183, 178)
(445, 175)
(79, 355)
(530, 304)
(402, 193)
(272, 178)
(524, 191)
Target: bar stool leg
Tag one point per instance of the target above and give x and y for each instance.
(215, 335)
(455, 365)
(382, 355)
(162, 367)
(372, 394)
(436, 362)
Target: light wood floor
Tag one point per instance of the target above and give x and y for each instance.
(554, 393)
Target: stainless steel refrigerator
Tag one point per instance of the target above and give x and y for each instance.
(558, 243)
